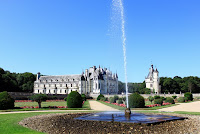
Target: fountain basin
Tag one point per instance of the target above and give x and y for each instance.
(134, 117)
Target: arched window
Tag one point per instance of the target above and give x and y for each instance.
(73, 79)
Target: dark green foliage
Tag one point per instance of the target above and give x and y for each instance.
(39, 98)
(188, 96)
(103, 99)
(163, 98)
(119, 101)
(99, 97)
(83, 97)
(65, 98)
(116, 98)
(74, 100)
(16, 82)
(150, 98)
(124, 98)
(174, 97)
(136, 101)
(156, 97)
(181, 99)
(170, 100)
(158, 101)
(6, 102)
(111, 100)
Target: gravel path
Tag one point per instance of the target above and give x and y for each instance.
(189, 107)
(97, 106)
(65, 124)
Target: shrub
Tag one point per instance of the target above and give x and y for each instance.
(163, 98)
(136, 101)
(83, 97)
(103, 99)
(119, 101)
(111, 99)
(156, 97)
(74, 100)
(174, 97)
(6, 101)
(65, 98)
(181, 99)
(170, 100)
(158, 101)
(188, 96)
(116, 98)
(124, 98)
(99, 97)
(39, 98)
(150, 98)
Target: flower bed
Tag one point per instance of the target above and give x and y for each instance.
(121, 105)
(155, 105)
(23, 100)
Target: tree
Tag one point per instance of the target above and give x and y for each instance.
(150, 98)
(39, 98)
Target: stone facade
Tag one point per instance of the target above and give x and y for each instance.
(152, 80)
(92, 81)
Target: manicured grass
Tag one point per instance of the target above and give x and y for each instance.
(86, 106)
(150, 108)
(9, 123)
(44, 104)
(113, 106)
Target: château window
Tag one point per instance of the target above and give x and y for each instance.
(151, 85)
(60, 91)
(38, 91)
(99, 86)
(60, 85)
(73, 79)
(65, 91)
(71, 85)
(54, 91)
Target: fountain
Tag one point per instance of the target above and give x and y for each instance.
(127, 116)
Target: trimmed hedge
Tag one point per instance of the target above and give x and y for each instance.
(170, 100)
(99, 97)
(174, 97)
(156, 97)
(116, 98)
(6, 101)
(83, 97)
(111, 99)
(136, 101)
(158, 101)
(74, 100)
(103, 99)
(181, 99)
(188, 96)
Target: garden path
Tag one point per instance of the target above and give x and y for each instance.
(97, 106)
(188, 107)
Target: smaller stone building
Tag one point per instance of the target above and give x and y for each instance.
(152, 80)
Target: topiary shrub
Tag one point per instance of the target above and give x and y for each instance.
(99, 97)
(65, 98)
(188, 96)
(39, 98)
(103, 99)
(136, 101)
(74, 100)
(170, 100)
(111, 99)
(83, 97)
(158, 101)
(116, 98)
(156, 97)
(150, 98)
(174, 97)
(119, 101)
(181, 99)
(124, 98)
(6, 101)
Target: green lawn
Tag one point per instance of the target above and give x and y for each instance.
(9, 123)
(86, 106)
(146, 103)
(44, 104)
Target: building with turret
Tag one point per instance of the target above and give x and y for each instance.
(92, 81)
(152, 80)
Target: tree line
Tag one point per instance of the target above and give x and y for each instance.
(168, 85)
(16, 82)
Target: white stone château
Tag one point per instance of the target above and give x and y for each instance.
(92, 81)
(152, 80)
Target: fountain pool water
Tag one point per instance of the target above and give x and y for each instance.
(133, 118)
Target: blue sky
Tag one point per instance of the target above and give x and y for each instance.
(67, 36)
